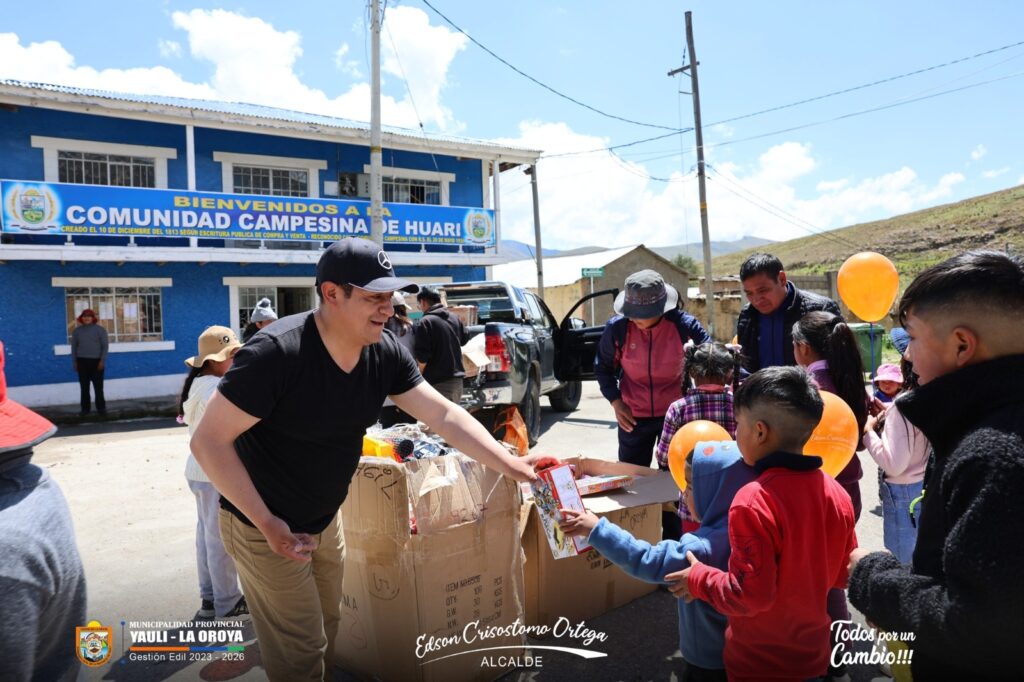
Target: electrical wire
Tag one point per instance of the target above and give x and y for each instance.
(776, 211)
(869, 85)
(544, 85)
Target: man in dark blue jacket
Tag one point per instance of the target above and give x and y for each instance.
(764, 326)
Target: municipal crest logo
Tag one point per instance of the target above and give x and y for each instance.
(93, 643)
(479, 227)
(31, 208)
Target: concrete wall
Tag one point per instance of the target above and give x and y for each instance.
(727, 309)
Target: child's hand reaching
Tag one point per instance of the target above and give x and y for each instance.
(577, 522)
(679, 582)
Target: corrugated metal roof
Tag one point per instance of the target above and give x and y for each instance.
(257, 111)
(558, 270)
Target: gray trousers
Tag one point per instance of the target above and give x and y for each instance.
(450, 389)
(218, 579)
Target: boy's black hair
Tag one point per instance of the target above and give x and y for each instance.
(429, 294)
(758, 263)
(787, 388)
(989, 279)
(711, 361)
(833, 340)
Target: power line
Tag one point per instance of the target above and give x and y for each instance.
(541, 84)
(862, 112)
(820, 97)
(869, 85)
(777, 211)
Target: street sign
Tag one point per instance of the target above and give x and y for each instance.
(593, 272)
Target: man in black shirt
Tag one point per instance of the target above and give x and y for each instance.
(438, 343)
(281, 439)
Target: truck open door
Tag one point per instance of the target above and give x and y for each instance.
(576, 344)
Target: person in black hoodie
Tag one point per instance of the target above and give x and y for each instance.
(963, 594)
(437, 345)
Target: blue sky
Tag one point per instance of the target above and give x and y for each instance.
(613, 56)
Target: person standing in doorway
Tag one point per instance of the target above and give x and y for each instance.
(262, 315)
(639, 361)
(764, 326)
(89, 357)
(437, 345)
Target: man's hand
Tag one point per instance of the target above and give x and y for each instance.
(519, 469)
(623, 415)
(679, 582)
(857, 554)
(99, 366)
(577, 522)
(295, 546)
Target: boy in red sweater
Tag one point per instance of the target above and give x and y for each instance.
(791, 532)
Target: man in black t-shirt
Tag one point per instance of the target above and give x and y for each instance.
(281, 439)
(437, 345)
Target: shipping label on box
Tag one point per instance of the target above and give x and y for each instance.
(556, 489)
(412, 600)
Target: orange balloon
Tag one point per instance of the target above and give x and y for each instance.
(836, 437)
(685, 440)
(868, 284)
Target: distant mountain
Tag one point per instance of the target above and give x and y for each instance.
(516, 250)
(696, 251)
(912, 241)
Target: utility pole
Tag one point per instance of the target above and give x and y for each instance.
(539, 255)
(709, 285)
(376, 157)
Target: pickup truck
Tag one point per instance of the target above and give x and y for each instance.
(531, 355)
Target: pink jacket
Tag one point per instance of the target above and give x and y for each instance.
(901, 451)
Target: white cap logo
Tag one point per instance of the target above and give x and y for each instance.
(383, 259)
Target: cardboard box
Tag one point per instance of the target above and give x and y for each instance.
(467, 313)
(474, 356)
(585, 586)
(402, 591)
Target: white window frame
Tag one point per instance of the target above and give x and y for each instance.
(234, 282)
(228, 161)
(445, 179)
(113, 282)
(51, 146)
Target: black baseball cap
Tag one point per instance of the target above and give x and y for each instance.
(361, 263)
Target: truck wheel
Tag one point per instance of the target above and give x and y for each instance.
(567, 398)
(529, 409)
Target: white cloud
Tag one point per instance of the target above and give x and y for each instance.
(978, 152)
(723, 130)
(49, 62)
(169, 48)
(255, 62)
(346, 66)
(995, 173)
(596, 199)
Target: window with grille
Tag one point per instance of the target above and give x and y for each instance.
(128, 313)
(281, 182)
(411, 191)
(106, 169)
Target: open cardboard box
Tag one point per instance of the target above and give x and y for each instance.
(462, 569)
(588, 585)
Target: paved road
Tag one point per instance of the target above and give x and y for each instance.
(135, 520)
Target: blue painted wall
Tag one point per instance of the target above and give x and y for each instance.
(32, 317)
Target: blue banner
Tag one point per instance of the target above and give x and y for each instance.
(102, 211)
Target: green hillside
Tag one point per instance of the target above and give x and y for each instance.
(912, 241)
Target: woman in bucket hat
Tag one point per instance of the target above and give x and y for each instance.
(639, 362)
(218, 579)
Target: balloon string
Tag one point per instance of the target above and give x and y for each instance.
(871, 341)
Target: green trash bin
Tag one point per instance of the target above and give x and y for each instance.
(867, 334)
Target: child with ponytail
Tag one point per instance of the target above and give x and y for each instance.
(825, 346)
(218, 580)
